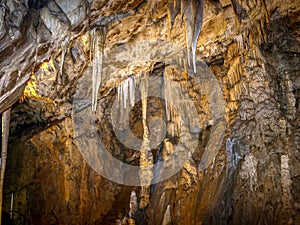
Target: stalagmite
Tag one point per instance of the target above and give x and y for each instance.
(286, 183)
(133, 206)
(5, 135)
(12, 206)
(146, 159)
(249, 171)
(167, 217)
(213, 163)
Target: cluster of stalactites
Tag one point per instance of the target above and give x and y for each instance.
(192, 13)
(178, 105)
(126, 91)
(126, 94)
(170, 111)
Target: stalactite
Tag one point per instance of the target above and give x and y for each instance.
(97, 40)
(245, 38)
(252, 35)
(166, 89)
(231, 154)
(131, 91)
(189, 22)
(119, 93)
(126, 89)
(198, 12)
(194, 20)
(183, 6)
(240, 42)
(260, 33)
(172, 94)
(125, 93)
(192, 10)
(173, 11)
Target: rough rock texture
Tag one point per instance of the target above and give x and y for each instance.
(252, 47)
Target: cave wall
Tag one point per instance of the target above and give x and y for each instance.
(252, 50)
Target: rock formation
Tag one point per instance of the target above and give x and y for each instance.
(151, 112)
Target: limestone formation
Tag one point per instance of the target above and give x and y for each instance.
(150, 112)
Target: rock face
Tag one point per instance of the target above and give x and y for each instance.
(219, 146)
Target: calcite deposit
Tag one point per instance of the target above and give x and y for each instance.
(150, 112)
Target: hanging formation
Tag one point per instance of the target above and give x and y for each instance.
(192, 13)
(125, 90)
(97, 40)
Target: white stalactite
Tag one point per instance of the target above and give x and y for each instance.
(240, 41)
(131, 91)
(125, 93)
(126, 89)
(232, 155)
(97, 36)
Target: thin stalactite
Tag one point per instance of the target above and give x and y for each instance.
(173, 11)
(198, 20)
